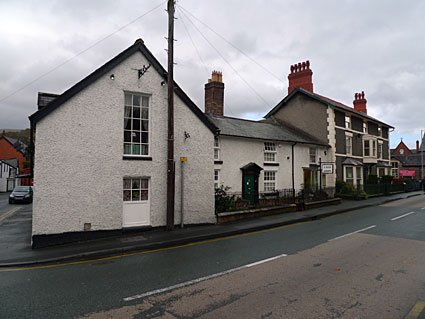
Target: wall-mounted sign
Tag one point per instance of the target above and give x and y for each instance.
(143, 70)
(327, 168)
(183, 159)
(407, 173)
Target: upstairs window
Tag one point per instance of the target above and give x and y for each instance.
(364, 127)
(347, 122)
(379, 131)
(136, 124)
(216, 149)
(269, 152)
(366, 148)
(379, 150)
(348, 145)
(374, 148)
(269, 181)
(313, 155)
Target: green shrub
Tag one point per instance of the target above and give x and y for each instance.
(348, 189)
(339, 185)
(386, 179)
(372, 179)
(223, 201)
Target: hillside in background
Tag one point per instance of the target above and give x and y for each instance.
(22, 135)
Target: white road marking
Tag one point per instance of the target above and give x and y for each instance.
(9, 213)
(395, 218)
(354, 232)
(195, 281)
(423, 208)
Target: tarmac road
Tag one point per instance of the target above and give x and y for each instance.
(364, 264)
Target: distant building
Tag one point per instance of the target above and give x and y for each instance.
(408, 163)
(359, 143)
(11, 148)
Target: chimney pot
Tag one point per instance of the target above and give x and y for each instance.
(417, 145)
(214, 94)
(359, 102)
(300, 77)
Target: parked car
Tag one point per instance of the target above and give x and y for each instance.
(21, 194)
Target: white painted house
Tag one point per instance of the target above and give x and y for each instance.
(100, 156)
(254, 157)
(9, 169)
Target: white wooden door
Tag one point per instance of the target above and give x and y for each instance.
(136, 202)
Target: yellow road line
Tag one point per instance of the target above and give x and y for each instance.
(9, 213)
(152, 251)
(416, 310)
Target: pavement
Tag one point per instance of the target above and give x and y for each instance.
(15, 234)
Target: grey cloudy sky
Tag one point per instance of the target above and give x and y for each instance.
(352, 45)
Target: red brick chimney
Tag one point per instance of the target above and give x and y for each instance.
(301, 77)
(360, 102)
(417, 145)
(214, 94)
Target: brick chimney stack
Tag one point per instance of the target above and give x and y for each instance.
(417, 145)
(301, 77)
(214, 94)
(359, 102)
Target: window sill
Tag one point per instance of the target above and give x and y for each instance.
(137, 158)
(270, 164)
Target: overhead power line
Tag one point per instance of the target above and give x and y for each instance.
(234, 46)
(193, 43)
(224, 59)
(81, 52)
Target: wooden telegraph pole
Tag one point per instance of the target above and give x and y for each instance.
(170, 158)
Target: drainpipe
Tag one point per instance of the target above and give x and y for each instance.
(293, 172)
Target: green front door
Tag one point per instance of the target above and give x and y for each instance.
(249, 188)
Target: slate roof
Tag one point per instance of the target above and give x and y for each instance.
(230, 126)
(17, 144)
(11, 162)
(410, 159)
(45, 98)
(325, 100)
(138, 46)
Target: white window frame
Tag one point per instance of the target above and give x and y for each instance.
(270, 178)
(216, 148)
(216, 178)
(270, 152)
(373, 148)
(347, 121)
(133, 192)
(355, 179)
(348, 145)
(380, 149)
(395, 172)
(368, 148)
(365, 127)
(313, 155)
(141, 132)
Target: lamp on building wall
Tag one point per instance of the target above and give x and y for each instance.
(112, 77)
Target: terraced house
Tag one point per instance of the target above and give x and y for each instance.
(359, 143)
